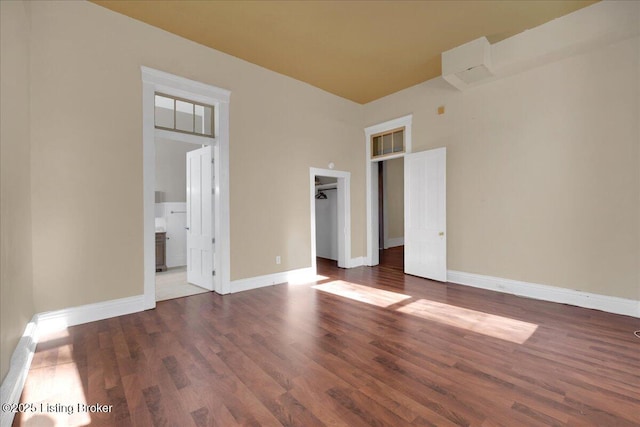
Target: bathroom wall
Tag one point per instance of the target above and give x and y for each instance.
(171, 170)
(171, 217)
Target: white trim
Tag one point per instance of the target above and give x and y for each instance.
(184, 137)
(606, 303)
(385, 207)
(296, 276)
(393, 242)
(60, 319)
(15, 379)
(371, 169)
(357, 262)
(390, 125)
(184, 87)
(344, 214)
(49, 321)
(159, 81)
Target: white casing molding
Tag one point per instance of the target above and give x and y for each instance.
(537, 291)
(302, 275)
(49, 321)
(357, 262)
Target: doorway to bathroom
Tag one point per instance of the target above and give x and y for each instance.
(177, 178)
(210, 247)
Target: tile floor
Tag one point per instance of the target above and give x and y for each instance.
(172, 284)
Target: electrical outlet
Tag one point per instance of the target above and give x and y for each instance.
(278, 260)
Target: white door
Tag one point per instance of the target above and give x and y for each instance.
(425, 207)
(199, 217)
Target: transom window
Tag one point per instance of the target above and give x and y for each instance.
(387, 143)
(181, 115)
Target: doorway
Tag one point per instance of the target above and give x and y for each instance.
(375, 226)
(154, 82)
(391, 213)
(425, 241)
(171, 220)
(320, 180)
(327, 218)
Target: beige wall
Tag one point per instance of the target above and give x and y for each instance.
(543, 179)
(87, 153)
(394, 187)
(16, 292)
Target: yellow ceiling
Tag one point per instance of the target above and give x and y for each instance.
(360, 50)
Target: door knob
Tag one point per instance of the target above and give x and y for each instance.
(186, 228)
(441, 233)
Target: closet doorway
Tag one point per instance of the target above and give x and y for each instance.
(327, 218)
(330, 213)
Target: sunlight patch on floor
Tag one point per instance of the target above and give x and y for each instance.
(55, 391)
(377, 297)
(492, 325)
(302, 278)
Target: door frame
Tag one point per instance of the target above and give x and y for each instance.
(344, 214)
(372, 179)
(158, 81)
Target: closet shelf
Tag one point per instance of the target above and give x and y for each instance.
(331, 186)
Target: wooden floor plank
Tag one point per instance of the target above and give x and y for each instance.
(365, 346)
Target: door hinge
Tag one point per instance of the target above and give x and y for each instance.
(213, 240)
(213, 273)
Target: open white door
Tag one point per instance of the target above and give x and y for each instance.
(199, 217)
(425, 207)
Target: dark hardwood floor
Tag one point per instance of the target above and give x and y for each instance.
(363, 347)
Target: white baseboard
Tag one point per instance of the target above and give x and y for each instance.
(13, 383)
(50, 321)
(60, 319)
(393, 242)
(176, 260)
(302, 275)
(356, 262)
(292, 276)
(606, 303)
